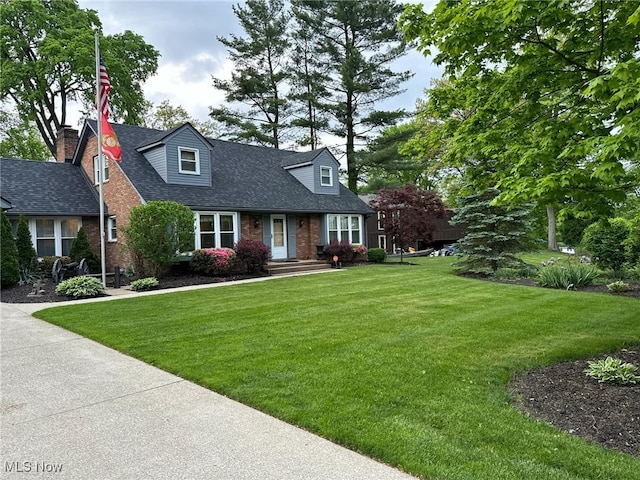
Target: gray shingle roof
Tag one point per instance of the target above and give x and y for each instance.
(47, 188)
(244, 178)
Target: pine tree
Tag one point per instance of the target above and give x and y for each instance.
(259, 75)
(495, 234)
(358, 41)
(10, 271)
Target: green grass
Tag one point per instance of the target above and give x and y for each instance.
(406, 363)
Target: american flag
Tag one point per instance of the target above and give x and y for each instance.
(105, 88)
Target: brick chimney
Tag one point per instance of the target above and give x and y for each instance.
(66, 143)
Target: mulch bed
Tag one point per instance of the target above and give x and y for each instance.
(562, 395)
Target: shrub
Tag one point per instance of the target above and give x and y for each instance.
(9, 267)
(157, 232)
(343, 250)
(27, 256)
(45, 265)
(213, 261)
(376, 255)
(253, 252)
(618, 286)
(144, 284)
(80, 287)
(605, 241)
(567, 276)
(80, 248)
(612, 370)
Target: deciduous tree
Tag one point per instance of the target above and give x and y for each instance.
(409, 214)
(551, 95)
(48, 60)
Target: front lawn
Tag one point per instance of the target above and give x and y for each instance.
(406, 363)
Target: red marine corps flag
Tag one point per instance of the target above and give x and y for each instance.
(110, 145)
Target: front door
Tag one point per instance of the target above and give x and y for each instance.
(278, 237)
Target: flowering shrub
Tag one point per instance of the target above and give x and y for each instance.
(253, 252)
(359, 249)
(213, 261)
(570, 275)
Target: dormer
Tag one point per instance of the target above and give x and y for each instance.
(181, 156)
(317, 170)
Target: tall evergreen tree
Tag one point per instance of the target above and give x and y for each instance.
(259, 76)
(309, 79)
(27, 255)
(358, 40)
(9, 268)
(496, 233)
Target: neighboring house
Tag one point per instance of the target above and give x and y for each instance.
(443, 235)
(289, 200)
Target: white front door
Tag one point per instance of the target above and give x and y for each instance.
(278, 237)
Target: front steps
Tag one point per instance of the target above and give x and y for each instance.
(296, 266)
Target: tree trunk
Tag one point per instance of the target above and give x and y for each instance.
(552, 243)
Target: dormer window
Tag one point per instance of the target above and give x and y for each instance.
(189, 159)
(326, 176)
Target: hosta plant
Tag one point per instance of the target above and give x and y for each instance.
(144, 284)
(80, 287)
(612, 370)
(618, 286)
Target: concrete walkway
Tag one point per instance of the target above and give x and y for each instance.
(71, 408)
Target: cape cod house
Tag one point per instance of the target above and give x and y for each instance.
(291, 201)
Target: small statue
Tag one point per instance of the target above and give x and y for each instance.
(37, 290)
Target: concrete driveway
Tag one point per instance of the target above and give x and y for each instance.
(71, 408)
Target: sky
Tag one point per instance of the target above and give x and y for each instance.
(184, 32)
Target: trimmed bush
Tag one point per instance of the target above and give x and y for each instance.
(253, 252)
(343, 250)
(376, 255)
(80, 287)
(80, 248)
(9, 267)
(144, 284)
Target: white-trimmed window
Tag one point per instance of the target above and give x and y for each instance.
(54, 236)
(216, 229)
(326, 176)
(189, 161)
(382, 242)
(380, 220)
(345, 227)
(112, 229)
(96, 170)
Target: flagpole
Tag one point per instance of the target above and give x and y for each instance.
(103, 261)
